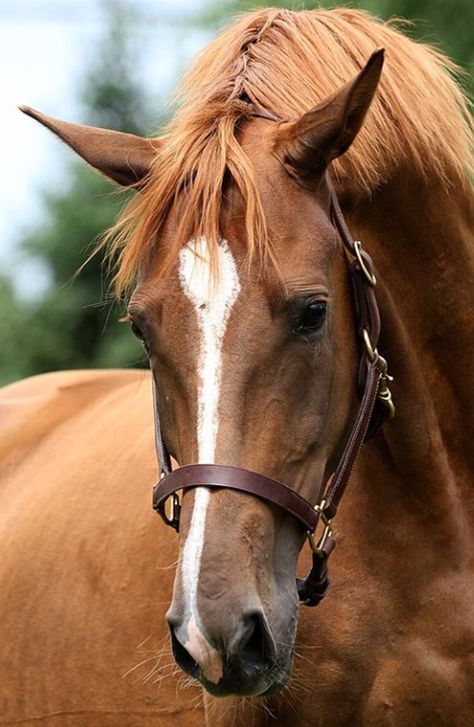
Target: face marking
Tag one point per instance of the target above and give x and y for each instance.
(202, 652)
(213, 298)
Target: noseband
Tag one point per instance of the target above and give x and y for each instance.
(375, 407)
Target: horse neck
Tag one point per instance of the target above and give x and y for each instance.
(421, 239)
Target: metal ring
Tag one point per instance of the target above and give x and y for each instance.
(173, 519)
(370, 277)
(372, 353)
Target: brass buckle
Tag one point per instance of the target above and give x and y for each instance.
(384, 394)
(175, 505)
(370, 277)
(317, 544)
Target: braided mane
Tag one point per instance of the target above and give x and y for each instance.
(289, 61)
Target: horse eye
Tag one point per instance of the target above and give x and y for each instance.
(137, 331)
(312, 317)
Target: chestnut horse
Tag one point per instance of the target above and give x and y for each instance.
(242, 299)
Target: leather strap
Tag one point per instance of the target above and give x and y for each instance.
(162, 453)
(234, 478)
(339, 481)
(313, 588)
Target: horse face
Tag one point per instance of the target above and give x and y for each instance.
(255, 368)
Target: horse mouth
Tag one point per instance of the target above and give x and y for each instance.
(240, 680)
(234, 684)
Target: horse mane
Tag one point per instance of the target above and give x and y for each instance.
(287, 62)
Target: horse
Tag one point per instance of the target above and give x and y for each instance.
(235, 264)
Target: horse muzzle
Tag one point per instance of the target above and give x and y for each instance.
(245, 663)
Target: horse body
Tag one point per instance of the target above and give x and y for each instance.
(87, 557)
(83, 558)
(392, 643)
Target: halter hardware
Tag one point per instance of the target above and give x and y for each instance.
(318, 545)
(384, 395)
(172, 519)
(369, 276)
(373, 382)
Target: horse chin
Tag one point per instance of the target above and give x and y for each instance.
(240, 684)
(228, 687)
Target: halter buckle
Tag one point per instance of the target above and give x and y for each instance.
(384, 394)
(369, 276)
(318, 544)
(175, 509)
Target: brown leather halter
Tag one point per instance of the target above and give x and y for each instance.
(375, 407)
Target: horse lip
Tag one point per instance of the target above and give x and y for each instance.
(239, 685)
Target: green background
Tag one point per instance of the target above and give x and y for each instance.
(75, 322)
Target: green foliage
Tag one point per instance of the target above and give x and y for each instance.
(111, 94)
(75, 324)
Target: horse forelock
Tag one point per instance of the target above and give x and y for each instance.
(288, 62)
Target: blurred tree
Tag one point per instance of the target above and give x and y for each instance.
(73, 325)
(447, 25)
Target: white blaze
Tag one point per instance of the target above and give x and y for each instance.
(213, 299)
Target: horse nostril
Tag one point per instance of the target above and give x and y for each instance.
(182, 657)
(255, 647)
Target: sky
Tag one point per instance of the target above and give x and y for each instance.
(44, 45)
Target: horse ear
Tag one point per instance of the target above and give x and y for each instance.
(307, 146)
(124, 158)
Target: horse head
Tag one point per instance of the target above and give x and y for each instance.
(255, 363)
